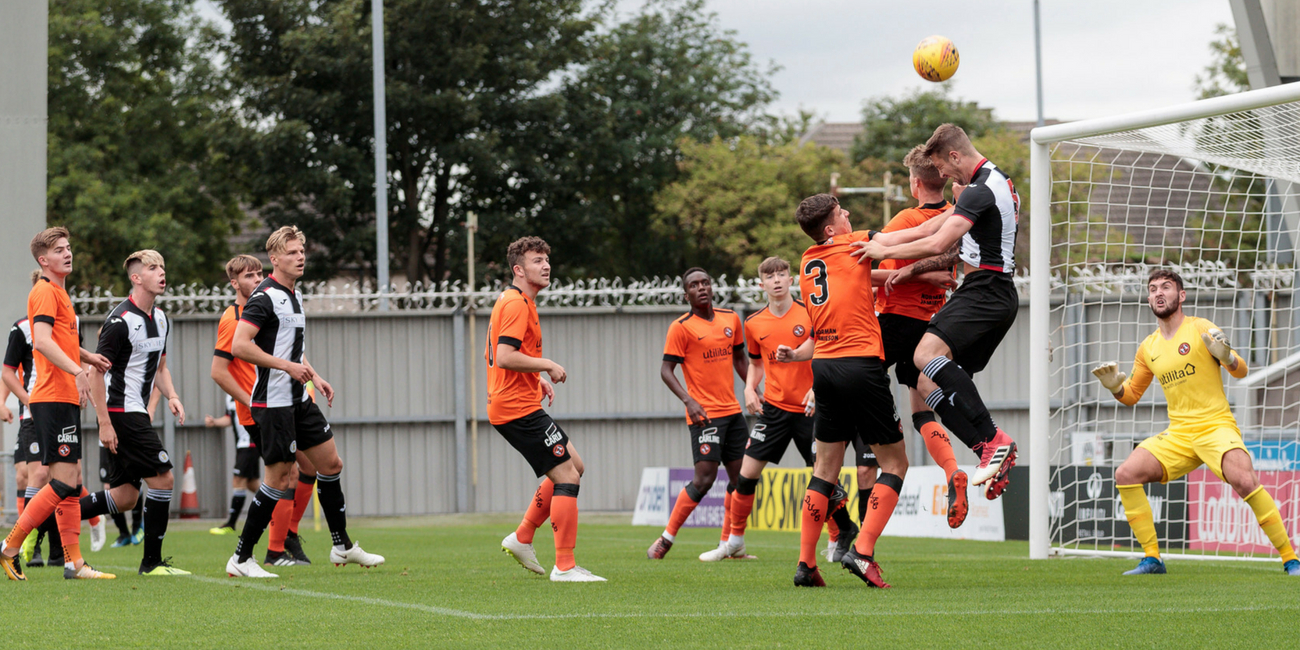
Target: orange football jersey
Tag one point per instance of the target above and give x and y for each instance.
(704, 349)
(837, 291)
(245, 373)
(49, 303)
(784, 384)
(512, 394)
(918, 300)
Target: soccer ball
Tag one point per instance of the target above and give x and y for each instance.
(935, 58)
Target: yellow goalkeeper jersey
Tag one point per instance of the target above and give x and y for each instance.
(1189, 376)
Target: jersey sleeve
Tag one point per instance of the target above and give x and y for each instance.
(16, 351)
(258, 311)
(42, 305)
(675, 344)
(226, 336)
(111, 337)
(513, 324)
(755, 352)
(1138, 380)
(738, 336)
(974, 201)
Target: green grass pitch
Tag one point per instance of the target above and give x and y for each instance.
(447, 584)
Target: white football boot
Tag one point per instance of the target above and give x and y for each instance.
(355, 555)
(523, 553)
(247, 569)
(576, 574)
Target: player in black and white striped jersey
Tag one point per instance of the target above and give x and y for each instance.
(247, 472)
(134, 339)
(271, 336)
(964, 333)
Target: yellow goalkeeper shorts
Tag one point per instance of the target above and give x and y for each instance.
(1180, 452)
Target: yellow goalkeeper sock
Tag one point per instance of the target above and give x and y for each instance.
(1138, 512)
(1271, 521)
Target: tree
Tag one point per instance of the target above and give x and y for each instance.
(891, 126)
(735, 200)
(137, 118)
(465, 99)
(1226, 73)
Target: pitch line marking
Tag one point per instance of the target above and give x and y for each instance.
(474, 616)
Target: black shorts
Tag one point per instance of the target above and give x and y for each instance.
(976, 318)
(140, 454)
(58, 428)
(721, 440)
(775, 430)
(105, 467)
(862, 454)
(28, 447)
(853, 400)
(284, 430)
(539, 439)
(900, 335)
(247, 463)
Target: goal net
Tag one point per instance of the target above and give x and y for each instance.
(1211, 190)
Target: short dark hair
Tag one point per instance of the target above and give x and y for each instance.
(948, 137)
(923, 169)
(694, 269)
(814, 212)
(523, 246)
(1165, 274)
(773, 265)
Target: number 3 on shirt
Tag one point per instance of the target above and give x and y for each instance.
(818, 268)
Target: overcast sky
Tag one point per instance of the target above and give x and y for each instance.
(1100, 57)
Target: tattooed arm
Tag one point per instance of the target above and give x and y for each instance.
(935, 270)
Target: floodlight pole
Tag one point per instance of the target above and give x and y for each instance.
(381, 153)
(1038, 60)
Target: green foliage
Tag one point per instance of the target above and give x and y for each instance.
(891, 126)
(1226, 73)
(136, 126)
(734, 203)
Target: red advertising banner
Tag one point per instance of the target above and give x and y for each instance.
(1220, 521)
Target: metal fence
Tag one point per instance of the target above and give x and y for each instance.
(401, 416)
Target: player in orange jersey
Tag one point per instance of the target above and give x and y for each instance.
(904, 309)
(516, 389)
(852, 391)
(62, 386)
(708, 343)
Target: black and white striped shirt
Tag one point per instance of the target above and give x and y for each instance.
(18, 356)
(277, 314)
(992, 206)
(134, 343)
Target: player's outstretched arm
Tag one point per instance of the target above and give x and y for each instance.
(221, 374)
(510, 358)
(920, 231)
(1112, 378)
(14, 384)
(787, 354)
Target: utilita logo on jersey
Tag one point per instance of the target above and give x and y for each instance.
(717, 354)
(1177, 375)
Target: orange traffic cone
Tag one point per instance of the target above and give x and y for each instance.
(189, 491)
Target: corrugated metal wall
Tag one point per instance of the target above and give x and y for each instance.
(395, 410)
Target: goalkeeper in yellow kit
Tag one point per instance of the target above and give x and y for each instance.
(1184, 354)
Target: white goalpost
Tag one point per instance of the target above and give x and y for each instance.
(1211, 189)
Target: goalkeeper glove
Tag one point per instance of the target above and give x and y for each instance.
(1217, 343)
(1110, 376)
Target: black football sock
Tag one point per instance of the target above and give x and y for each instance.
(137, 515)
(955, 421)
(330, 491)
(959, 391)
(122, 529)
(840, 515)
(259, 515)
(236, 506)
(56, 542)
(97, 504)
(157, 503)
(864, 497)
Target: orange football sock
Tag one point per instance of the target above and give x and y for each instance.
(681, 511)
(564, 521)
(726, 516)
(22, 503)
(811, 521)
(38, 509)
(884, 496)
(832, 529)
(301, 499)
(68, 516)
(539, 509)
(279, 525)
(741, 506)
(936, 442)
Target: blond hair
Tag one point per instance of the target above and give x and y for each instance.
(46, 239)
(146, 257)
(36, 276)
(923, 169)
(241, 264)
(278, 242)
(946, 138)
